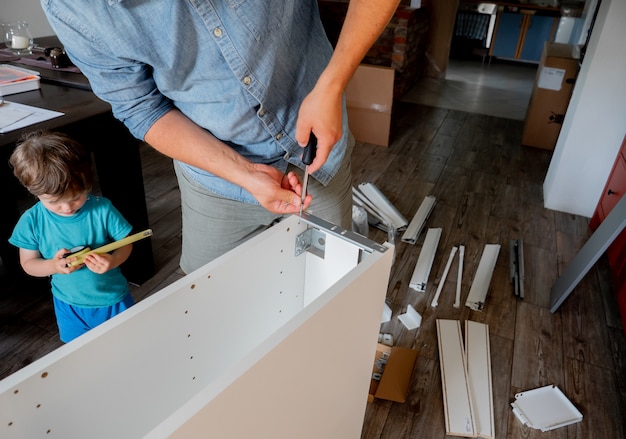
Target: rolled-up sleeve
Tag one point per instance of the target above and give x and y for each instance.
(128, 85)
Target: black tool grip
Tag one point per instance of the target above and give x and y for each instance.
(310, 150)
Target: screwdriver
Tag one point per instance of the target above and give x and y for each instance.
(307, 158)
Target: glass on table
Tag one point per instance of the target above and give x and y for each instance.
(17, 37)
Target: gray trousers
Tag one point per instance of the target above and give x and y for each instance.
(213, 225)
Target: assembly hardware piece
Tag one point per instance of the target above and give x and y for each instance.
(517, 267)
(313, 239)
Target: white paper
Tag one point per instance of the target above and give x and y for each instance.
(551, 78)
(9, 116)
(14, 116)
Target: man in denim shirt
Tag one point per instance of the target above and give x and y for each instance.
(231, 90)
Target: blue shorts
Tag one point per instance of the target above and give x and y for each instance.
(75, 320)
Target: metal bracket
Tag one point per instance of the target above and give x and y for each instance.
(312, 240)
(517, 267)
(315, 241)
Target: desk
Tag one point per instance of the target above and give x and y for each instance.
(116, 156)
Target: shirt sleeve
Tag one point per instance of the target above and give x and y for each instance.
(117, 226)
(24, 233)
(126, 84)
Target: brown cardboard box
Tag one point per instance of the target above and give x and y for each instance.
(369, 98)
(395, 379)
(551, 93)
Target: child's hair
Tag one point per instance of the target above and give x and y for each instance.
(52, 164)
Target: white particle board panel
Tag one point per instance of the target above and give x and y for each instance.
(456, 393)
(232, 350)
(480, 285)
(478, 360)
(545, 408)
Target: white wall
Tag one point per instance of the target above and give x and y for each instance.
(29, 11)
(595, 122)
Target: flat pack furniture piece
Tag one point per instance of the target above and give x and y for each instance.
(274, 339)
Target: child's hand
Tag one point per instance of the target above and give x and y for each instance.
(61, 262)
(98, 262)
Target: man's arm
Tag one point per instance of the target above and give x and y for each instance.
(178, 137)
(321, 110)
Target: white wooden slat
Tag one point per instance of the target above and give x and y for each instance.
(478, 360)
(480, 285)
(456, 393)
(459, 280)
(435, 301)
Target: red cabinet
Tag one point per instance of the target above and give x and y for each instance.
(613, 191)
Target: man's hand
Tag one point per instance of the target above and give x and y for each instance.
(321, 113)
(277, 192)
(321, 110)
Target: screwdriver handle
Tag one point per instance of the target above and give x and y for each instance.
(310, 150)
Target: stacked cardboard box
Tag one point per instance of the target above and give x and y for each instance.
(551, 94)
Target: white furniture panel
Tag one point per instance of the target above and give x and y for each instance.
(231, 350)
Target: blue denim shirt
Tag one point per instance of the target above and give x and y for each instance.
(238, 68)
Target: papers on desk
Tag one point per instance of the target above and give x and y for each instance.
(14, 116)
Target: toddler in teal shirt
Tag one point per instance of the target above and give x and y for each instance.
(58, 171)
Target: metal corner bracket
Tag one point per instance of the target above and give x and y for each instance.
(313, 239)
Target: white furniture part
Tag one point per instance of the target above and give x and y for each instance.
(268, 341)
(383, 205)
(480, 285)
(419, 278)
(545, 408)
(457, 402)
(419, 219)
(435, 301)
(411, 319)
(478, 357)
(459, 277)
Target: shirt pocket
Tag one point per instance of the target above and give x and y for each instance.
(259, 17)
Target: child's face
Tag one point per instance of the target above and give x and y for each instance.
(64, 205)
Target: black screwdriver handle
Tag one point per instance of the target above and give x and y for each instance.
(310, 150)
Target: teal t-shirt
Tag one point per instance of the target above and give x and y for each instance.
(97, 223)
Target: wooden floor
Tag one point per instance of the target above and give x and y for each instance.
(488, 190)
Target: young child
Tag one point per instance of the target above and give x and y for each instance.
(58, 171)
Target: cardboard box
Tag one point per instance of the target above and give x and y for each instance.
(551, 94)
(369, 98)
(395, 371)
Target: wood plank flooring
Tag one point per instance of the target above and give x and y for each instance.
(488, 190)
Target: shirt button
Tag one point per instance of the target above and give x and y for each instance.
(279, 136)
(247, 80)
(261, 112)
(217, 32)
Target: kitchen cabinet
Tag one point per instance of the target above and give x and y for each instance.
(274, 339)
(614, 189)
(539, 29)
(522, 35)
(507, 34)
